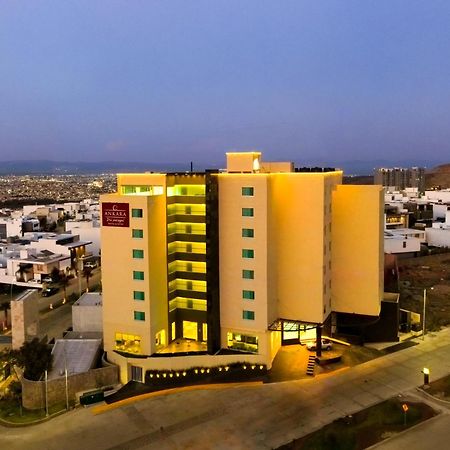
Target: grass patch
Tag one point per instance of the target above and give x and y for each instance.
(11, 411)
(364, 428)
(440, 388)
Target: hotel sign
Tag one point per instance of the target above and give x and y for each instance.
(115, 215)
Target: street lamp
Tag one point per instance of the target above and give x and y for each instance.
(424, 330)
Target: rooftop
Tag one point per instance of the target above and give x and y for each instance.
(89, 299)
(75, 355)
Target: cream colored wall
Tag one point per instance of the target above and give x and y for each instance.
(151, 179)
(118, 265)
(357, 249)
(231, 243)
(242, 161)
(117, 277)
(297, 230)
(183, 362)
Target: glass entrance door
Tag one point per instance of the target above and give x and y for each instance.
(190, 330)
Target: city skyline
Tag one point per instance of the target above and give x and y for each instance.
(164, 81)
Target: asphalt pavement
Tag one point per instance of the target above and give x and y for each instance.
(243, 417)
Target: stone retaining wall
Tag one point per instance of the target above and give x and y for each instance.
(33, 392)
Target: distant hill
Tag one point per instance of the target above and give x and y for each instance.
(62, 167)
(438, 177)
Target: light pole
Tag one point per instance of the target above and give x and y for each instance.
(424, 312)
(424, 328)
(46, 393)
(65, 373)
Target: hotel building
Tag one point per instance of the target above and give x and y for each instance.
(227, 266)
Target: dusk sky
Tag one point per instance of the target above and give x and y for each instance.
(169, 81)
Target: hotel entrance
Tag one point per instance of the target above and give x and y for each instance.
(190, 330)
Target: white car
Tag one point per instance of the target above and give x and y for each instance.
(326, 345)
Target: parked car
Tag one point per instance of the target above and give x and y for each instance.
(49, 291)
(47, 279)
(90, 264)
(326, 345)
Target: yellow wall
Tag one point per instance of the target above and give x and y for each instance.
(243, 161)
(231, 243)
(118, 265)
(357, 249)
(298, 229)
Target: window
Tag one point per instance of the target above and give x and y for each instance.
(138, 295)
(137, 212)
(137, 234)
(247, 191)
(248, 315)
(247, 212)
(139, 315)
(248, 232)
(249, 274)
(248, 295)
(404, 244)
(139, 254)
(248, 253)
(137, 275)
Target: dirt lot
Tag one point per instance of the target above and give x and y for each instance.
(430, 272)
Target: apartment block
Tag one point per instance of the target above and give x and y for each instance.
(401, 178)
(222, 267)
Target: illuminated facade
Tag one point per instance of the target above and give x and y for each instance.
(227, 266)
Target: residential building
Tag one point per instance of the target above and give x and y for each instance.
(401, 178)
(234, 263)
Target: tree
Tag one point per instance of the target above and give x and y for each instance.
(87, 272)
(35, 357)
(55, 275)
(64, 282)
(4, 307)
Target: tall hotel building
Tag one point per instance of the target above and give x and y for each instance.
(228, 266)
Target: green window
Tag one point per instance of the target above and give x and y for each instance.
(248, 253)
(247, 191)
(138, 253)
(248, 315)
(138, 295)
(249, 274)
(137, 275)
(139, 315)
(248, 232)
(247, 212)
(138, 234)
(137, 212)
(248, 295)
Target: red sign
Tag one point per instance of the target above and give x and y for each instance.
(115, 215)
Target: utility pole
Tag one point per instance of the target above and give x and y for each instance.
(65, 372)
(46, 393)
(424, 311)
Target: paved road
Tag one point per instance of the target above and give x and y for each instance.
(257, 417)
(433, 434)
(73, 287)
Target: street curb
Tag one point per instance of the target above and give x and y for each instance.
(8, 424)
(437, 416)
(100, 409)
(431, 396)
